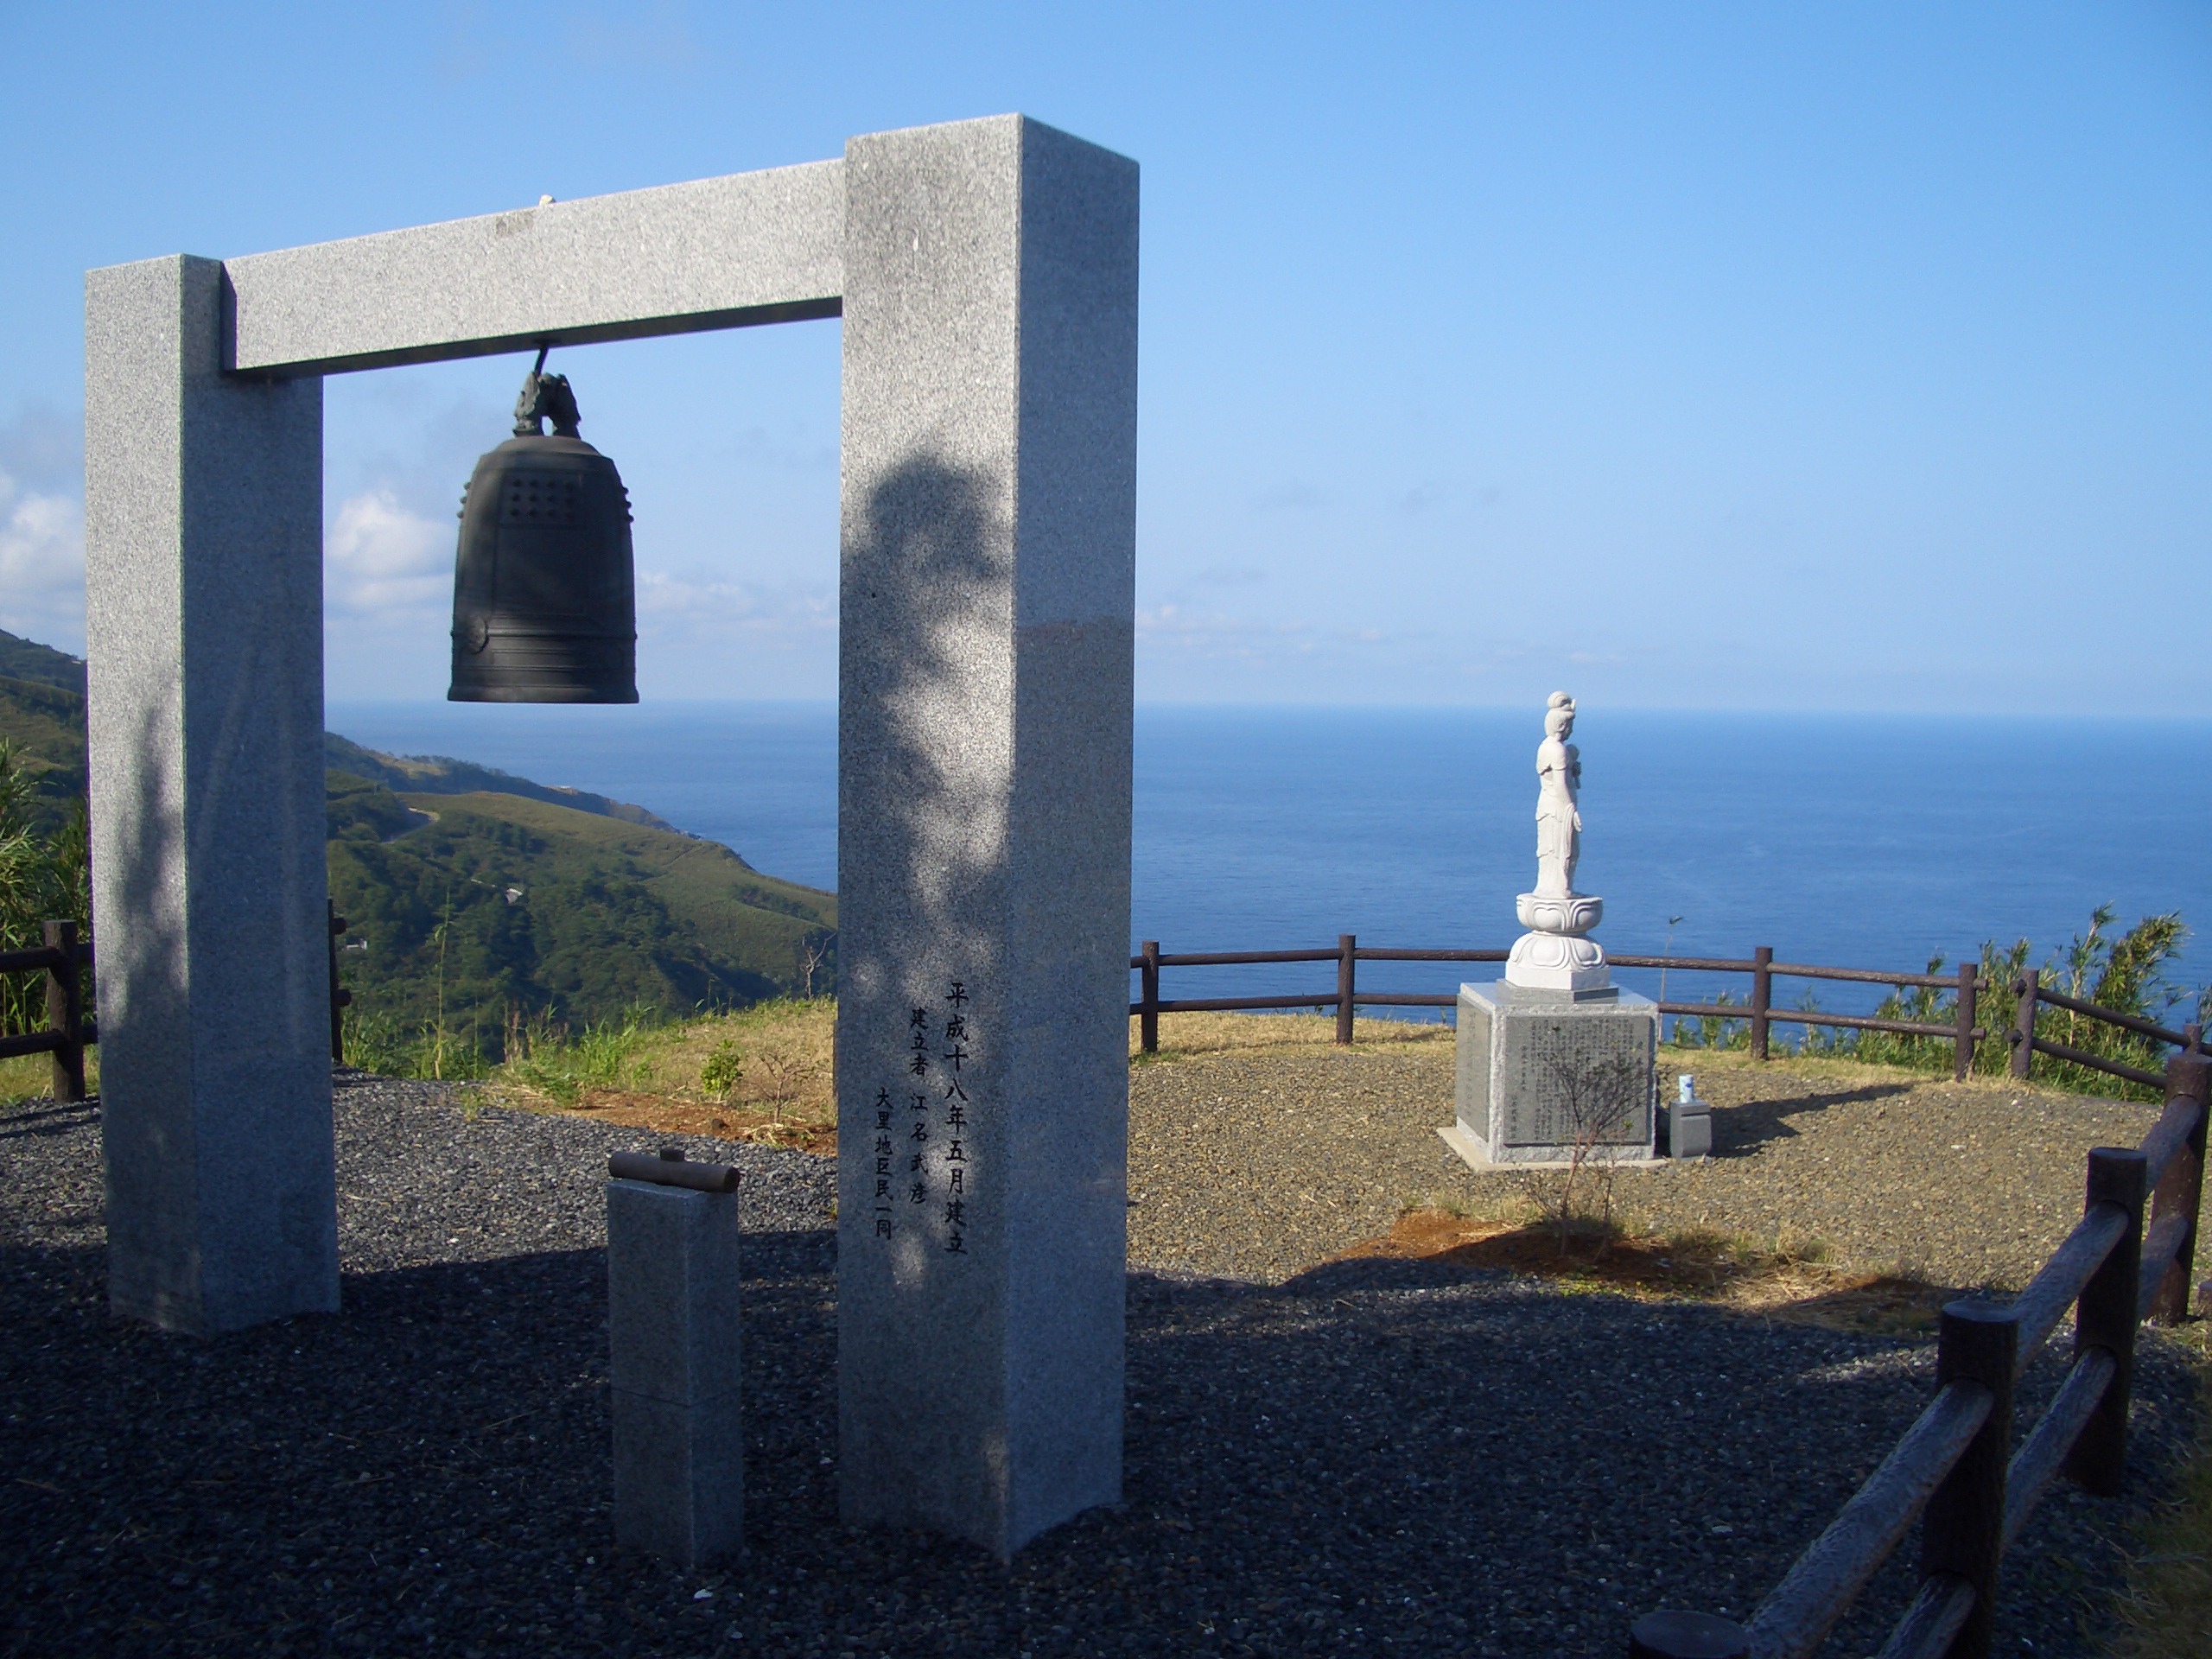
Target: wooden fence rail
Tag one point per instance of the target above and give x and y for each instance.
(1758, 1011)
(63, 959)
(1949, 1471)
(2029, 990)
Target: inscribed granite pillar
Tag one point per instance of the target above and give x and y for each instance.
(988, 531)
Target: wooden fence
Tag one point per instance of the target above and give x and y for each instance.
(1949, 1471)
(1758, 1011)
(2025, 1044)
(63, 959)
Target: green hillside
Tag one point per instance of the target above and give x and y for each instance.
(490, 895)
(45, 725)
(42, 715)
(515, 905)
(27, 659)
(439, 774)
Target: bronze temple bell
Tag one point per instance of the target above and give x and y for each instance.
(545, 597)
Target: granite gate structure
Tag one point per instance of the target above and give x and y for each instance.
(986, 272)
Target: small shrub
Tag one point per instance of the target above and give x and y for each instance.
(1712, 1030)
(724, 1068)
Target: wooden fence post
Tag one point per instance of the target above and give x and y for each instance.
(1762, 997)
(1346, 945)
(65, 1011)
(1969, 998)
(2105, 1317)
(2181, 1188)
(1148, 994)
(1962, 1530)
(340, 997)
(2022, 1036)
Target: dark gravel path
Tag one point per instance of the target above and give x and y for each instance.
(1374, 1457)
(1259, 1165)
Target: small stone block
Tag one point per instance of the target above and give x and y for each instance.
(679, 1477)
(672, 1295)
(673, 1338)
(1690, 1130)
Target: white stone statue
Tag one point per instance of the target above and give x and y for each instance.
(1559, 818)
(1554, 955)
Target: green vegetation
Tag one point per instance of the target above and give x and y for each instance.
(481, 907)
(27, 659)
(2124, 972)
(439, 774)
(43, 877)
(545, 1057)
(761, 1073)
(43, 718)
(471, 916)
(724, 1070)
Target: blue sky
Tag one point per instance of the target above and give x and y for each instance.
(1728, 356)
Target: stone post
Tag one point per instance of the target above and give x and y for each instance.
(988, 527)
(672, 1293)
(203, 577)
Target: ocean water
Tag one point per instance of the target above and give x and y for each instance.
(1859, 840)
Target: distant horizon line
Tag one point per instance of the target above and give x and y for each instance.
(1255, 707)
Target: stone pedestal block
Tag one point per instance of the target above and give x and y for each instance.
(674, 1353)
(1543, 1076)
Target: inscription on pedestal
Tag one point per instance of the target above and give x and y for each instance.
(1550, 1080)
(1576, 1080)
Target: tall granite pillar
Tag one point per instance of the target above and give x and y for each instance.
(203, 508)
(989, 529)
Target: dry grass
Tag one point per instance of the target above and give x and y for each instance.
(1184, 1035)
(1827, 1068)
(26, 1077)
(2167, 1600)
(783, 1093)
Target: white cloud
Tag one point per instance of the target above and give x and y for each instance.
(708, 608)
(382, 561)
(701, 634)
(41, 565)
(42, 526)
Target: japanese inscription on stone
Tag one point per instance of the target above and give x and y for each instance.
(921, 1131)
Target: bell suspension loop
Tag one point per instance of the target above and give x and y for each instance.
(546, 397)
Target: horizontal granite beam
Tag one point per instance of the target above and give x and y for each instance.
(682, 258)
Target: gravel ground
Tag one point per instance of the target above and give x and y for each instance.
(1375, 1457)
(1259, 1165)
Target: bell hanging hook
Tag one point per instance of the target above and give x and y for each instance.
(546, 397)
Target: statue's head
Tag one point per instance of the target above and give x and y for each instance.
(1558, 715)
